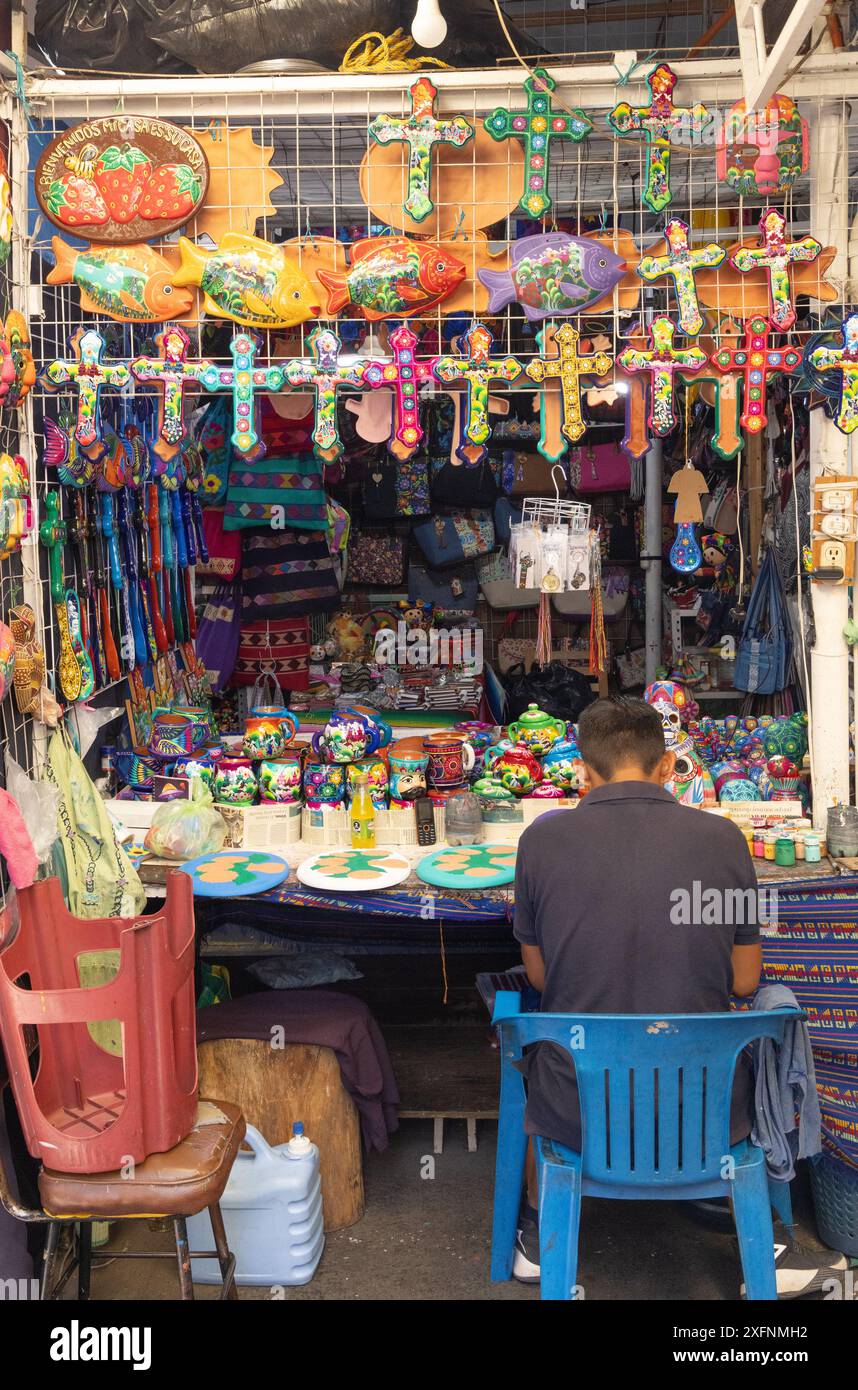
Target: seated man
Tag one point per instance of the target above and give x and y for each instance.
(596, 898)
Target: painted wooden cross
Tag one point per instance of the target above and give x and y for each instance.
(659, 126)
(845, 361)
(420, 131)
(537, 126)
(567, 367)
(88, 374)
(477, 370)
(245, 381)
(775, 255)
(756, 362)
(404, 375)
(325, 374)
(726, 438)
(171, 372)
(681, 264)
(662, 361)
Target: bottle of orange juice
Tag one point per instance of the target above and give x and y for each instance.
(362, 814)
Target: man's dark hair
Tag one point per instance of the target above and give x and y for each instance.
(616, 733)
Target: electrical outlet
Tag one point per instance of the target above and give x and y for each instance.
(832, 555)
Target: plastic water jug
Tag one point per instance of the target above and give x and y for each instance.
(272, 1212)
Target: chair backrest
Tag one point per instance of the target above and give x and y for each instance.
(90, 1108)
(655, 1091)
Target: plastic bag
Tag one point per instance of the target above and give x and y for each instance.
(39, 804)
(108, 35)
(187, 829)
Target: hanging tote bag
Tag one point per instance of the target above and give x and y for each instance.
(218, 633)
(764, 656)
(279, 648)
(224, 548)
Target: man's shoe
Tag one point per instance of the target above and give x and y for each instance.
(525, 1265)
(799, 1271)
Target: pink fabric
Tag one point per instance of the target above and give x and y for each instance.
(16, 846)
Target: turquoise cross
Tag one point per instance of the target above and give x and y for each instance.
(244, 380)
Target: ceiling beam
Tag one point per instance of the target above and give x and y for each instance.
(762, 72)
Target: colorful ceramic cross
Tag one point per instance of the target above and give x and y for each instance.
(659, 125)
(567, 367)
(325, 374)
(775, 255)
(756, 362)
(403, 374)
(477, 370)
(537, 127)
(88, 374)
(662, 361)
(845, 361)
(171, 372)
(726, 438)
(420, 131)
(244, 380)
(681, 263)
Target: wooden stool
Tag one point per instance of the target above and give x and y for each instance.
(276, 1086)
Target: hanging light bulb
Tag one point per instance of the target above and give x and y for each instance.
(429, 27)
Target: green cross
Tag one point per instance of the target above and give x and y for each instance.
(244, 380)
(681, 263)
(658, 125)
(537, 126)
(420, 131)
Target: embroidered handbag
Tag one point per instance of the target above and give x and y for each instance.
(218, 633)
(281, 490)
(530, 475)
(288, 572)
(375, 558)
(279, 648)
(764, 654)
(600, 468)
(448, 540)
(224, 547)
(449, 588)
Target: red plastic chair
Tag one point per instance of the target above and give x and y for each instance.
(88, 1110)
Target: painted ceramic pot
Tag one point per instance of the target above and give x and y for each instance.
(203, 767)
(200, 715)
(562, 765)
(135, 767)
(547, 791)
(407, 777)
(176, 735)
(480, 735)
(324, 784)
(267, 731)
(280, 780)
(347, 737)
(494, 753)
(450, 760)
(518, 770)
(235, 782)
(375, 772)
(537, 730)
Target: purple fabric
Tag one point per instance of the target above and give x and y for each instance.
(325, 1019)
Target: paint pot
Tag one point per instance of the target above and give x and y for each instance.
(784, 852)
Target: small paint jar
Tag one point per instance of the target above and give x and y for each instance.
(799, 846)
(784, 851)
(770, 848)
(812, 852)
(759, 846)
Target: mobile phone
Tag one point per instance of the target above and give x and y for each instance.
(424, 814)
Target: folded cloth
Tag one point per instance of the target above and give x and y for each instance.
(324, 1019)
(785, 1088)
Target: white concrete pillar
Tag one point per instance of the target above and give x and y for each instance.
(652, 548)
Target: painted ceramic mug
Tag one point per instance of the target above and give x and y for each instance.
(267, 731)
(280, 779)
(235, 782)
(407, 777)
(375, 772)
(379, 731)
(324, 784)
(449, 760)
(344, 739)
(176, 735)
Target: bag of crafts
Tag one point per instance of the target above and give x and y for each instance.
(187, 829)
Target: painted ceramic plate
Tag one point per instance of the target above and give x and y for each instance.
(122, 179)
(353, 870)
(469, 866)
(234, 873)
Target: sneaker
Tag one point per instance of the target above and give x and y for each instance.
(525, 1265)
(799, 1271)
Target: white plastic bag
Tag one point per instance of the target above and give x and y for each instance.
(185, 829)
(39, 804)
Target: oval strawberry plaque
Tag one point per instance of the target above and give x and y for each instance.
(122, 179)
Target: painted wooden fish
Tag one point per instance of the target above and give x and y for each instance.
(130, 283)
(249, 281)
(554, 273)
(392, 277)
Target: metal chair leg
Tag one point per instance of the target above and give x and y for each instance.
(49, 1260)
(183, 1256)
(226, 1259)
(84, 1273)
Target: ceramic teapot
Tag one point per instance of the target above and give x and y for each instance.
(537, 730)
(517, 770)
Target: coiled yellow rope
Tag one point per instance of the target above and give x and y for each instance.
(373, 52)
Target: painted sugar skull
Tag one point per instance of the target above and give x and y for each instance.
(668, 693)
(686, 784)
(671, 722)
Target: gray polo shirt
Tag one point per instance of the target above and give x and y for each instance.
(601, 890)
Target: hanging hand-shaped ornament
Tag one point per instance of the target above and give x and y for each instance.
(477, 370)
(775, 255)
(325, 374)
(537, 126)
(393, 277)
(87, 374)
(680, 263)
(24, 368)
(725, 387)
(404, 375)
(245, 381)
(420, 131)
(659, 125)
(16, 512)
(845, 361)
(566, 367)
(171, 372)
(662, 361)
(688, 485)
(249, 281)
(756, 362)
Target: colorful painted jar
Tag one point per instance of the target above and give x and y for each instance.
(347, 737)
(785, 851)
(537, 730)
(324, 784)
(201, 715)
(176, 735)
(203, 767)
(562, 765)
(135, 766)
(450, 760)
(518, 770)
(546, 791)
(407, 777)
(280, 779)
(373, 771)
(267, 731)
(235, 782)
(480, 735)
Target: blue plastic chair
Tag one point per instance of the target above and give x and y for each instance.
(655, 1107)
